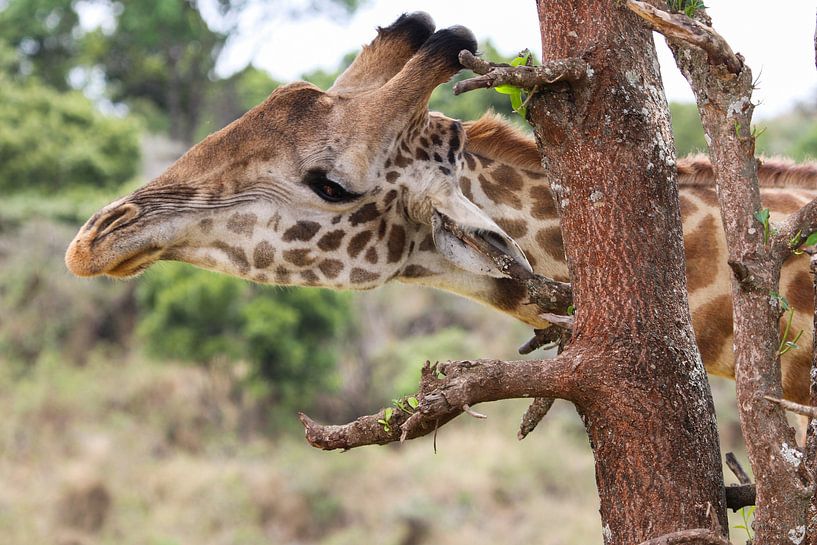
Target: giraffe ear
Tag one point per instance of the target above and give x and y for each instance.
(459, 229)
(379, 61)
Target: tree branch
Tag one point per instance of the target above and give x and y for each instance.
(537, 410)
(446, 389)
(796, 408)
(794, 230)
(700, 536)
(723, 90)
(686, 29)
(739, 496)
(737, 469)
(550, 296)
(524, 77)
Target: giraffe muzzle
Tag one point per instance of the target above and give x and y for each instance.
(97, 249)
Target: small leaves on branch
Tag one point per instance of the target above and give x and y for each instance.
(687, 7)
(521, 76)
(763, 217)
(515, 94)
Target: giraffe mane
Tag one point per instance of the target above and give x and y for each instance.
(696, 170)
(493, 137)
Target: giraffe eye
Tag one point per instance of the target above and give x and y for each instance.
(326, 189)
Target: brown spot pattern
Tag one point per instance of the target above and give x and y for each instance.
(330, 267)
(235, 254)
(366, 213)
(551, 240)
(515, 228)
(282, 275)
(397, 241)
(707, 195)
(508, 294)
(427, 245)
(263, 255)
(543, 207)
(401, 161)
(303, 230)
(392, 176)
(299, 257)
(310, 278)
(358, 242)
(416, 271)
(687, 206)
(389, 197)
(206, 225)
(371, 255)
(508, 177)
(331, 240)
(799, 292)
(361, 276)
(465, 187)
(242, 224)
(699, 247)
(713, 326)
(498, 193)
(469, 160)
(781, 202)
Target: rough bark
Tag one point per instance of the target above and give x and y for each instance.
(811, 432)
(608, 150)
(724, 101)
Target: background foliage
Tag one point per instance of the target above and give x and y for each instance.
(140, 399)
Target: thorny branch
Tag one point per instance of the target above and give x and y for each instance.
(524, 77)
(446, 391)
(686, 29)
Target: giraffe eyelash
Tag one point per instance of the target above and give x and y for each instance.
(327, 189)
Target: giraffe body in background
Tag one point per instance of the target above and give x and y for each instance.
(348, 189)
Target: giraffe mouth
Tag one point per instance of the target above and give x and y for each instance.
(135, 264)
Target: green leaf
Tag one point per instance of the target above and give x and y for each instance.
(571, 310)
(507, 89)
(522, 60)
(762, 216)
(388, 413)
(516, 101)
(413, 403)
(811, 240)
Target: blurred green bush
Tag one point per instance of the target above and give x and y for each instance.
(289, 337)
(51, 140)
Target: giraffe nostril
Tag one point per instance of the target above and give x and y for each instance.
(115, 218)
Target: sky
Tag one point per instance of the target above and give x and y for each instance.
(776, 40)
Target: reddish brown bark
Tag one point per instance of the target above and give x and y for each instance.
(724, 102)
(608, 149)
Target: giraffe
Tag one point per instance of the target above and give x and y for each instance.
(357, 186)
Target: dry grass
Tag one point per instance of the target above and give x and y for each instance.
(138, 453)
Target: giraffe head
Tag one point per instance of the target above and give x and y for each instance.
(346, 188)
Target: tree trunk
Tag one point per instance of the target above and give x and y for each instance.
(608, 149)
